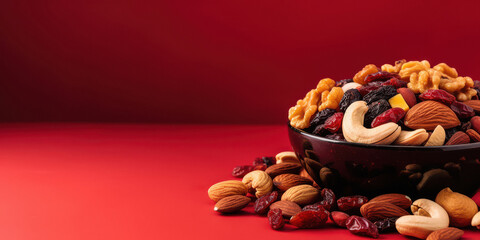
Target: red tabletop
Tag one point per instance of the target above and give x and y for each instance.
(104, 181)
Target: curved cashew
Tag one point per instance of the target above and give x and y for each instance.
(412, 138)
(420, 226)
(259, 181)
(476, 220)
(354, 131)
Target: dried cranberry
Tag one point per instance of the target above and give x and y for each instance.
(342, 82)
(263, 203)
(261, 167)
(241, 171)
(264, 160)
(438, 95)
(386, 225)
(351, 204)
(320, 117)
(369, 87)
(350, 96)
(336, 136)
(362, 226)
(275, 219)
(380, 76)
(462, 110)
(334, 122)
(397, 83)
(375, 109)
(310, 219)
(339, 218)
(313, 207)
(391, 115)
(385, 92)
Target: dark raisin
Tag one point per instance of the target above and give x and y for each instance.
(465, 126)
(348, 98)
(320, 117)
(369, 87)
(397, 83)
(351, 204)
(462, 110)
(334, 122)
(320, 131)
(375, 109)
(385, 92)
(336, 136)
(264, 160)
(362, 226)
(275, 219)
(386, 225)
(449, 133)
(380, 77)
(262, 204)
(476, 84)
(342, 82)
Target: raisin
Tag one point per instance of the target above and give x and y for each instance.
(336, 136)
(264, 160)
(275, 219)
(348, 98)
(319, 130)
(449, 133)
(334, 122)
(351, 204)
(328, 199)
(342, 82)
(385, 92)
(438, 95)
(369, 87)
(339, 218)
(263, 203)
(465, 126)
(395, 82)
(261, 167)
(362, 226)
(313, 207)
(386, 225)
(310, 219)
(391, 115)
(320, 117)
(375, 109)
(380, 77)
(241, 171)
(462, 110)
(476, 84)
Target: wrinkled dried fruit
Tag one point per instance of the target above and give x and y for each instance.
(334, 122)
(320, 117)
(348, 98)
(342, 82)
(269, 161)
(263, 203)
(375, 109)
(310, 219)
(380, 77)
(391, 115)
(463, 111)
(438, 95)
(362, 226)
(369, 87)
(241, 171)
(386, 225)
(385, 92)
(336, 136)
(275, 218)
(313, 207)
(351, 204)
(395, 82)
(328, 199)
(339, 218)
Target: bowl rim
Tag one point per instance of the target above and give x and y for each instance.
(379, 146)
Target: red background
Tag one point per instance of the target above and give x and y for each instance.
(209, 61)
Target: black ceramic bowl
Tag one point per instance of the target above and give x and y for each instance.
(366, 169)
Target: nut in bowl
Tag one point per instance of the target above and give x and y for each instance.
(410, 128)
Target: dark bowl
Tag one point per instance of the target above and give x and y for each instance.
(366, 169)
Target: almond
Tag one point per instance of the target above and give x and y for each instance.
(396, 199)
(446, 234)
(287, 156)
(301, 194)
(475, 104)
(283, 168)
(289, 208)
(232, 204)
(288, 180)
(458, 138)
(474, 136)
(429, 114)
(374, 211)
(226, 188)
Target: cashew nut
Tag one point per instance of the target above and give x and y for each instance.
(420, 226)
(476, 220)
(354, 131)
(412, 138)
(259, 181)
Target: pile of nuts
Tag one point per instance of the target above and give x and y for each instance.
(408, 103)
(282, 190)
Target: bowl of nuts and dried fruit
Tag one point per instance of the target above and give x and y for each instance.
(408, 128)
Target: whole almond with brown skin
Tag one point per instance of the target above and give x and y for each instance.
(374, 211)
(227, 188)
(282, 168)
(475, 104)
(446, 234)
(301, 194)
(429, 114)
(458, 138)
(289, 208)
(396, 199)
(288, 180)
(231, 204)
(474, 136)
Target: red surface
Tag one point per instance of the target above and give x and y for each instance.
(211, 61)
(69, 181)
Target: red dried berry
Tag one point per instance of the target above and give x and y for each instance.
(351, 204)
(262, 204)
(310, 219)
(334, 123)
(313, 207)
(339, 218)
(241, 171)
(462, 110)
(391, 115)
(438, 95)
(261, 167)
(328, 199)
(397, 83)
(369, 87)
(275, 219)
(380, 77)
(361, 226)
(264, 160)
